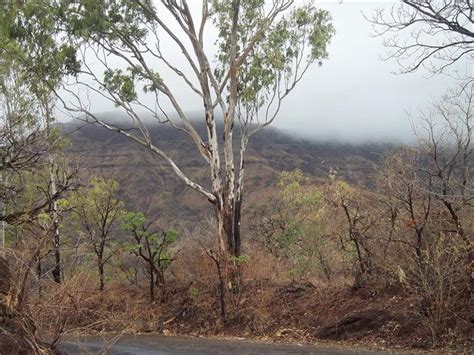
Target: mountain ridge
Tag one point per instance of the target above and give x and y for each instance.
(151, 185)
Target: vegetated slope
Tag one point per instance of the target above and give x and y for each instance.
(148, 184)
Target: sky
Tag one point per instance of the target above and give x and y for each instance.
(355, 95)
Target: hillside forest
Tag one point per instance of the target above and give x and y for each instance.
(155, 219)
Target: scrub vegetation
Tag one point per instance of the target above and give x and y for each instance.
(366, 251)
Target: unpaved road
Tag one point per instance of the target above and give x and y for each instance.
(160, 345)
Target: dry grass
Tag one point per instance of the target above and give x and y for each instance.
(267, 305)
(263, 308)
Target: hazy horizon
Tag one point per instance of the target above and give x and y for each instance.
(121, 120)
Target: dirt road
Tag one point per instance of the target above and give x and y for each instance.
(160, 345)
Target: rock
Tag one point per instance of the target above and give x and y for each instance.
(355, 325)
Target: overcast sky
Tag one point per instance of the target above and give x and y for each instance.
(354, 95)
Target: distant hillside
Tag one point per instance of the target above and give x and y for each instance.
(147, 183)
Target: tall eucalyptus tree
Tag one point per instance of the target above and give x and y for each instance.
(262, 51)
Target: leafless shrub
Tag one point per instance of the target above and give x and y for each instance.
(440, 286)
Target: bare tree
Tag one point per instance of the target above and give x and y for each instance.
(359, 222)
(445, 137)
(430, 33)
(399, 182)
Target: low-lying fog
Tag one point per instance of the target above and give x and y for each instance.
(354, 96)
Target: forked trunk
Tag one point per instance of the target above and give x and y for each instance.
(236, 228)
(228, 228)
(229, 250)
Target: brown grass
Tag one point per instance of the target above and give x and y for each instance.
(263, 310)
